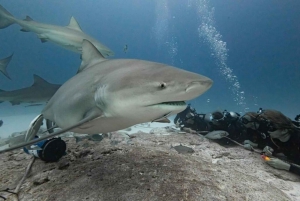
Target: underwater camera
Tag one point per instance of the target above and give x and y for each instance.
(51, 150)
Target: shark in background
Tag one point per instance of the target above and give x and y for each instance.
(40, 91)
(3, 65)
(69, 37)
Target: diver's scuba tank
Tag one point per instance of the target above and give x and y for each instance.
(51, 150)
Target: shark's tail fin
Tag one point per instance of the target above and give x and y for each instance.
(6, 19)
(3, 64)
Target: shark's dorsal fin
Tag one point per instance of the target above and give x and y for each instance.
(74, 24)
(90, 55)
(28, 18)
(38, 80)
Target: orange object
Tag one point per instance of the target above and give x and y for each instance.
(266, 158)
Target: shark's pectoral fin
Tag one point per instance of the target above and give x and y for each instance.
(91, 116)
(28, 19)
(43, 38)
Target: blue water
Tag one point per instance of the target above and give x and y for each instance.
(251, 49)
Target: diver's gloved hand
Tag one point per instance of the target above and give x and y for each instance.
(278, 164)
(251, 143)
(268, 151)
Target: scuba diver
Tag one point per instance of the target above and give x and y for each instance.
(189, 118)
(275, 133)
(223, 121)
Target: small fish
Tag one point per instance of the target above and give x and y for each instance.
(215, 135)
(125, 48)
(1, 123)
(183, 149)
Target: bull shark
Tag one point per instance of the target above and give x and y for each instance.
(69, 37)
(110, 95)
(39, 91)
(3, 65)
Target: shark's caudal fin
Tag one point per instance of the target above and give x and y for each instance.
(6, 19)
(3, 64)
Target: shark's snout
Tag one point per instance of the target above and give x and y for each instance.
(199, 85)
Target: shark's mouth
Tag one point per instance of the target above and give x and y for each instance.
(173, 103)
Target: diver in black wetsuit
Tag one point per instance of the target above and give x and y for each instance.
(189, 118)
(223, 121)
(277, 134)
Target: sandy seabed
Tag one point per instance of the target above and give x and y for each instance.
(142, 165)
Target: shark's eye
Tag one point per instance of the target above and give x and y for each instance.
(163, 85)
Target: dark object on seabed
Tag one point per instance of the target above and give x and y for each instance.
(50, 150)
(183, 149)
(1, 123)
(94, 137)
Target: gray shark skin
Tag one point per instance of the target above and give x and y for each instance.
(69, 37)
(40, 91)
(110, 95)
(123, 92)
(3, 65)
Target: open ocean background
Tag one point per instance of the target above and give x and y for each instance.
(251, 49)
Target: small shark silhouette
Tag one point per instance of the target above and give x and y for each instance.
(40, 91)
